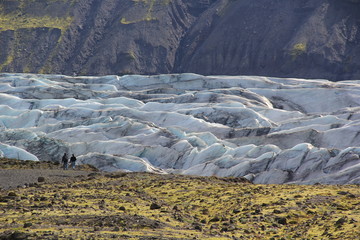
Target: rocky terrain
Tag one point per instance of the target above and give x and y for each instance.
(307, 39)
(24, 173)
(269, 130)
(152, 206)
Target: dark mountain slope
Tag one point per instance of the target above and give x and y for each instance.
(93, 36)
(310, 39)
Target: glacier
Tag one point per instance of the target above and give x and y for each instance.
(266, 129)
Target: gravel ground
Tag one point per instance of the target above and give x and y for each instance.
(11, 178)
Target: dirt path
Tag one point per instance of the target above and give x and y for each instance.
(11, 178)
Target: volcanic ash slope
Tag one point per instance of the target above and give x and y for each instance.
(270, 130)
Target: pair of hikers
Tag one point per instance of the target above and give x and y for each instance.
(65, 161)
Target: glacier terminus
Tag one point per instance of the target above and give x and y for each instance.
(268, 130)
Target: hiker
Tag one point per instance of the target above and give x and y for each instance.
(65, 161)
(73, 160)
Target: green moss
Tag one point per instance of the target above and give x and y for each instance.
(298, 49)
(22, 18)
(24, 3)
(14, 22)
(190, 208)
(149, 12)
(132, 55)
(166, 2)
(7, 62)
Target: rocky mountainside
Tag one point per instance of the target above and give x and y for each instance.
(308, 39)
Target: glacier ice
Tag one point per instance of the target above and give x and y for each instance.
(270, 130)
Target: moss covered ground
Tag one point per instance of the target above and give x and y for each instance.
(24, 14)
(149, 206)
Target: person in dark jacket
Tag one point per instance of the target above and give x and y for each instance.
(73, 160)
(65, 161)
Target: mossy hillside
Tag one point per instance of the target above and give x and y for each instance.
(35, 14)
(23, 18)
(148, 7)
(13, 22)
(149, 206)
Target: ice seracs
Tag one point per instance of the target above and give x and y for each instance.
(16, 153)
(270, 130)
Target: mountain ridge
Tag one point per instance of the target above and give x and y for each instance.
(306, 39)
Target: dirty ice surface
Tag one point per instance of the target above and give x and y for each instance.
(270, 130)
